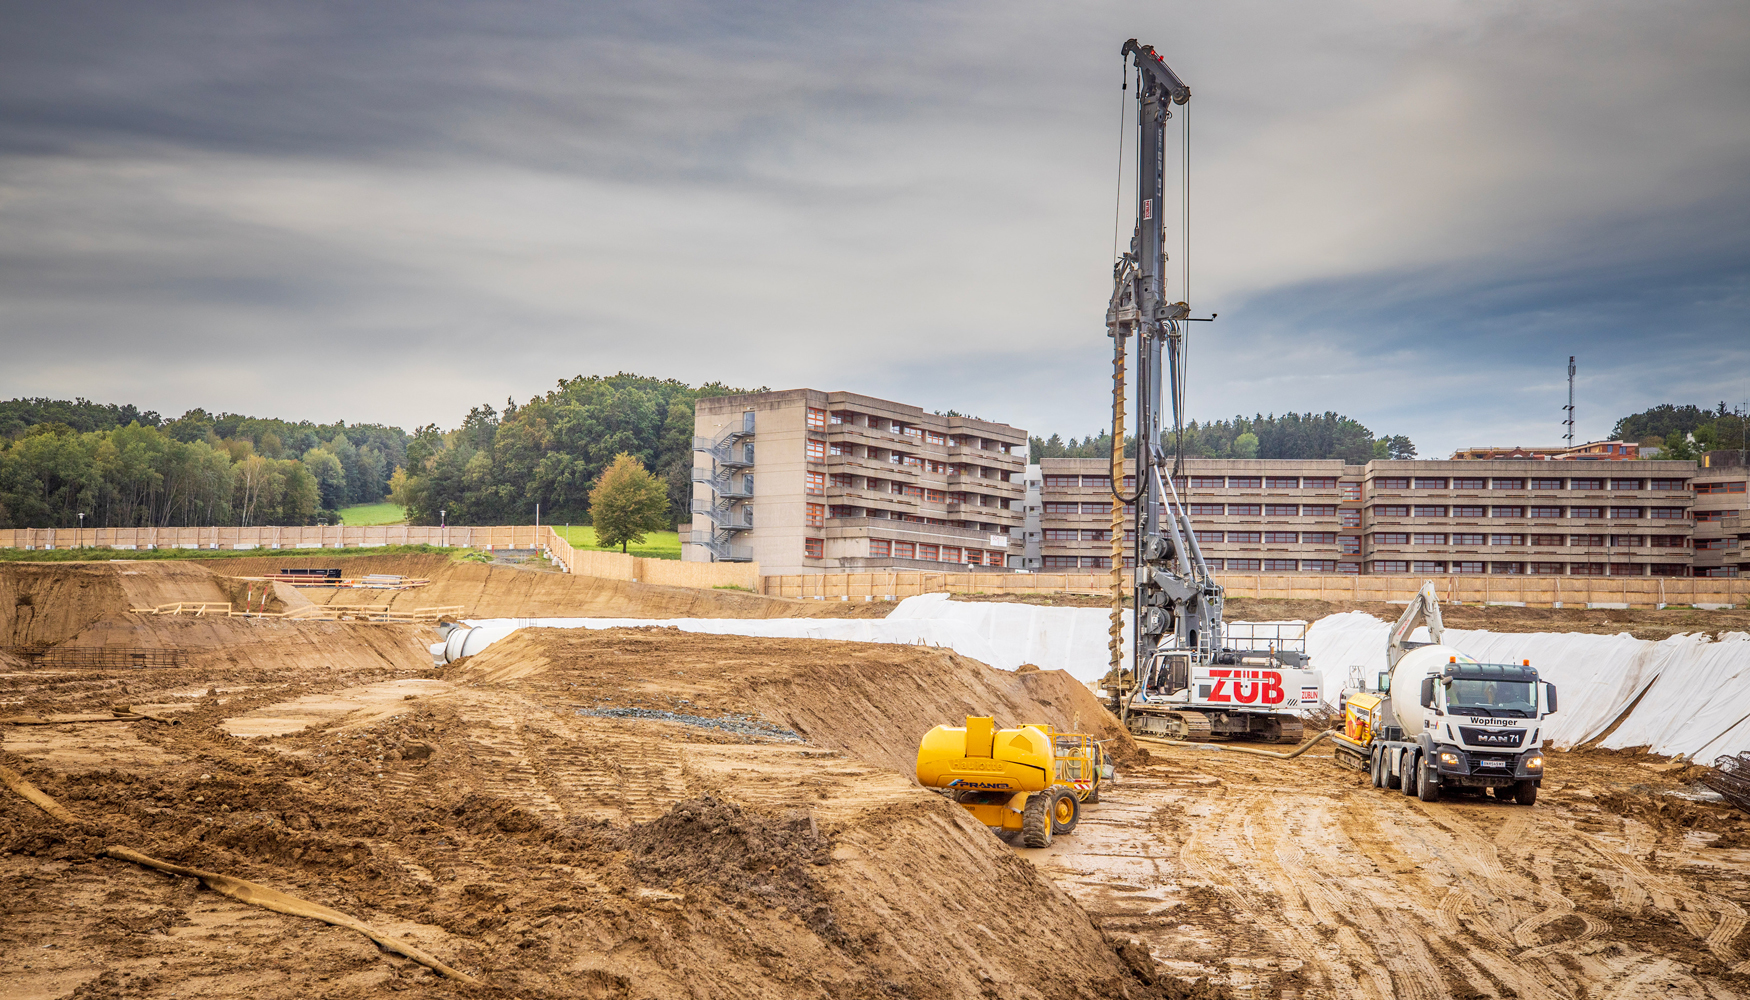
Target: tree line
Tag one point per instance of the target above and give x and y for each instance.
(125, 467)
(1669, 431)
(1291, 435)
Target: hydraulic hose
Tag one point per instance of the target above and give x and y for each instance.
(1279, 755)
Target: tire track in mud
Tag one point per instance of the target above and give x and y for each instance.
(1716, 933)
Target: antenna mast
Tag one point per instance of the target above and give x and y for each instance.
(1569, 423)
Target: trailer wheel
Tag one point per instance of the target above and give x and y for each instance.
(1428, 783)
(1036, 819)
(1066, 811)
(1391, 780)
(1525, 793)
(1408, 766)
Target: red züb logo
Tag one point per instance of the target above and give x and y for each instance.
(1249, 687)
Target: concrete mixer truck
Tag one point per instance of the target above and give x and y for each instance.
(1445, 721)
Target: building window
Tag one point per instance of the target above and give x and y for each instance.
(1470, 512)
(1625, 513)
(1281, 538)
(1208, 482)
(816, 450)
(950, 554)
(1096, 534)
(1243, 538)
(1506, 539)
(1587, 513)
(1215, 565)
(1349, 544)
(1667, 513)
(1063, 508)
(841, 416)
(1468, 484)
(1243, 510)
(1319, 482)
(1427, 566)
(814, 514)
(1507, 511)
(1712, 515)
(1100, 508)
(1352, 568)
(1668, 569)
(1546, 513)
(1585, 569)
(1625, 484)
(935, 496)
(1544, 569)
(1096, 482)
(1318, 510)
(816, 418)
(1391, 566)
(1062, 482)
(1678, 542)
(1391, 510)
(1585, 540)
(1468, 538)
(1351, 491)
(1392, 483)
(1425, 483)
(1467, 566)
(1430, 511)
(840, 510)
(814, 483)
(1319, 565)
(1625, 569)
(1244, 482)
(1203, 537)
(1585, 484)
(1060, 562)
(1625, 541)
(1721, 487)
(1060, 534)
(1242, 565)
(1282, 482)
(1096, 562)
(904, 550)
(1506, 568)
(1130, 484)
(1349, 519)
(1546, 540)
(1207, 510)
(1391, 538)
(934, 438)
(929, 553)
(1282, 510)
(1281, 565)
(1546, 484)
(813, 548)
(880, 548)
(1319, 537)
(1509, 484)
(1428, 539)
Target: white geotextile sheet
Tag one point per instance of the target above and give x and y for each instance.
(1697, 691)
(1071, 639)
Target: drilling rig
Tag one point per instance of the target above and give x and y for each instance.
(1186, 680)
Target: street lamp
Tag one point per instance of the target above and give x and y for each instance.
(81, 530)
(441, 518)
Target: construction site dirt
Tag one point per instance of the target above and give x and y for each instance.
(643, 812)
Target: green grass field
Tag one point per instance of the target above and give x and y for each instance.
(368, 514)
(657, 544)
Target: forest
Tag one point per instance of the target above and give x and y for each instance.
(1292, 435)
(1684, 432)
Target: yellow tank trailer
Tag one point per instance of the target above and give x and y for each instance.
(1029, 778)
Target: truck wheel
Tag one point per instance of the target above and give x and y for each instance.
(1036, 820)
(1409, 764)
(1525, 793)
(1391, 780)
(1428, 783)
(1066, 811)
(1378, 768)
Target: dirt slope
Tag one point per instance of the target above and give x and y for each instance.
(509, 592)
(552, 852)
(45, 603)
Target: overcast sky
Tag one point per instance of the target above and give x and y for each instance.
(1409, 213)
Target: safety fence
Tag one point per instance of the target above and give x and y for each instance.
(1533, 591)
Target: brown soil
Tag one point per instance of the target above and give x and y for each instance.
(514, 592)
(649, 813)
(47, 603)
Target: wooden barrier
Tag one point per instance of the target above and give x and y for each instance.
(1535, 591)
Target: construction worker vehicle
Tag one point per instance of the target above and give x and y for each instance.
(1190, 676)
(1031, 780)
(1444, 721)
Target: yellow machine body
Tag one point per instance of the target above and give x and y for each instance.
(1361, 717)
(992, 772)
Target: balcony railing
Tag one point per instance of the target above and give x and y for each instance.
(720, 549)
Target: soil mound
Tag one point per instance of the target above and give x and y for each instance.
(872, 700)
(509, 592)
(47, 603)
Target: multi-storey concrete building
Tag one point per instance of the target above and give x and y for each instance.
(849, 482)
(1421, 517)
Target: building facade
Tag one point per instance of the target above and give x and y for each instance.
(809, 481)
(1642, 518)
